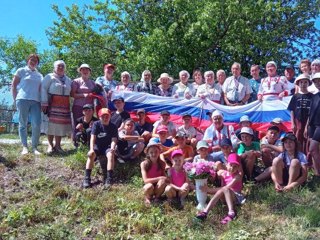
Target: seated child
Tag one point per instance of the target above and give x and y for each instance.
(270, 145)
(165, 121)
(246, 122)
(289, 169)
(130, 143)
(165, 142)
(203, 154)
(189, 130)
(143, 127)
(83, 126)
(230, 192)
(248, 151)
(186, 149)
(153, 173)
(179, 183)
(120, 115)
(103, 142)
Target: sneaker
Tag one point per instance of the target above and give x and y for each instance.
(24, 151)
(36, 152)
(202, 216)
(49, 150)
(86, 183)
(107, 183)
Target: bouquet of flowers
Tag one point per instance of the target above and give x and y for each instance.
(199, 170)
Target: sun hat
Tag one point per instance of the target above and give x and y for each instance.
(272, 63)
(316, 76)
(245, 118)
(84, 65)
(104, 111)
(246, 130)
(276, 121)
(162, 128)
(165, 75)
(87, 106)
(202, 144)
(233, 158)
(225, 142)
(152, 143)
(302, 77)
(176, 152)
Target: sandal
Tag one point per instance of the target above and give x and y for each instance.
(228, 218)
(202, 215)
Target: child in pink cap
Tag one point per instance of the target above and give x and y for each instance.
(230, 190)
(179, 183)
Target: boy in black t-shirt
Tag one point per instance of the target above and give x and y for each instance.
(300, 107)
(120, 115)
(83, 125)
(142, 127)
(103, 142)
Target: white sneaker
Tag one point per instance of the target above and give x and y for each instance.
(24, 151)
(36, 152)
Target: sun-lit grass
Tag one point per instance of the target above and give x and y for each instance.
(42, 198)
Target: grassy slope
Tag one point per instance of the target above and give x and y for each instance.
(41, 198)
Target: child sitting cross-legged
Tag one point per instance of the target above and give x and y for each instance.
(179, 183)
(203, 154)
(230, 192)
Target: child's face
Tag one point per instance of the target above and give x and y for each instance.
(129, 126)
(226, 150)
(245, 124)
(87, 112)
(186, 120)
(203, 152)
(272, 135)
(181, 141)
(246, 139)
(153, 152)
(162, 135)
(119, 104)
(232, 167)
(178, 160)
(317, 83)
(165, 117)
(105, 118)
(303, 84)
(289, 145)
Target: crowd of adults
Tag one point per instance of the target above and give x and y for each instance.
(114, 135)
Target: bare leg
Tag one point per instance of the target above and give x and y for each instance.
(315, 153)
(277, 171)
(265, 175)
(159, 189)
(249, 164)
(216, 197)
(294, 170)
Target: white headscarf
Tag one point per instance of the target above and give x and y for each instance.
(57, 63)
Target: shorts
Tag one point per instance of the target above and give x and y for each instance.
(240, 198)
(102, 153)
(314, 133)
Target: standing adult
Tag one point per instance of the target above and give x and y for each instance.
(289, 73)
(315, 68)
(273, 86)
(236, 89)
(254, 82)
(81, 89)
(126, 84)
(145, 84)
(25, 89)
(198, 80)
(183, 88)
(165, 88)
(210, 89)
(107, 81)
(55, 100)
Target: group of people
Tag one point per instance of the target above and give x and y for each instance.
(114, 135)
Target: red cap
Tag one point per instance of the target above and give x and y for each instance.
(176, 152)
(104, 111)
(162, 128)
(234, 158)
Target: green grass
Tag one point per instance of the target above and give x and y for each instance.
(41, 198)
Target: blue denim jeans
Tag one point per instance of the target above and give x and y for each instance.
(28, 108)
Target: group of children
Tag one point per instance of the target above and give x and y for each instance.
(235, 153)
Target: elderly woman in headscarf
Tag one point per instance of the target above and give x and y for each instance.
(55, 101)
(273, 86)
(164, 89)
(183, 88)
(126, 85)
(145, 84)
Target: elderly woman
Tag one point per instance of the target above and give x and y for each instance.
(315, 68)
(126, 85)
(273, 86)
(107, 81)
(183, 88)
(55, 100)
(81, 89)
(198, 80)
(210, 89)
(236, 89)
(221, 77)
(165, 88)
(145, 84)
(26, 94)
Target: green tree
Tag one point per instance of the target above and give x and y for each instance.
(184, 34)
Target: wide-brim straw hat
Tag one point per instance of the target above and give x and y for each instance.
(165, 75)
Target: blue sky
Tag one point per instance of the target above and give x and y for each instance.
(31, 18)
